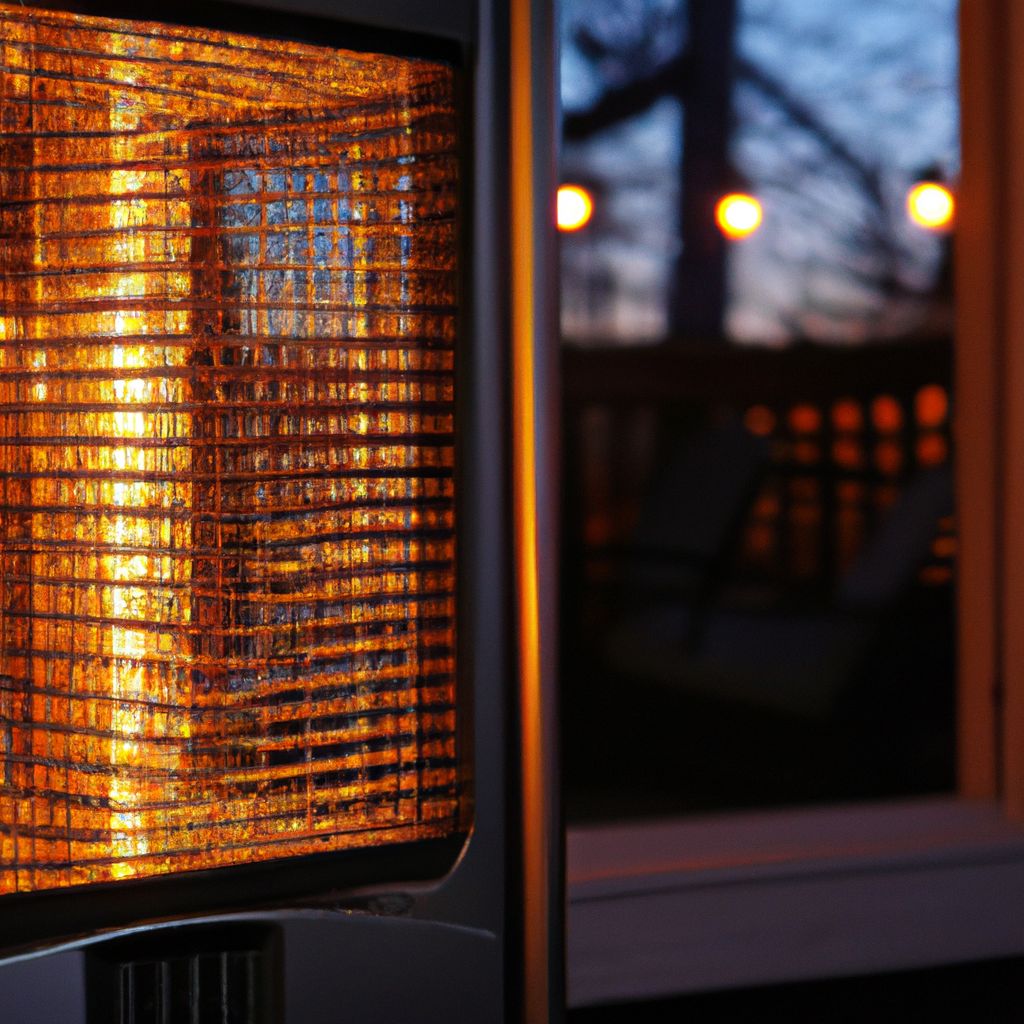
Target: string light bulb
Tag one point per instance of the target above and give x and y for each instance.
(930, 205)
(575, 208)
(738, 215)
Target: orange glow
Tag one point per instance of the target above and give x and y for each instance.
(805, 419)
(805, 515)
(944, 547)
(932, 450)
(930, 205)
(936, 575)
(597, 529)
(575, 208)
(759, 420)
(761, 540)
(850, 492)
(847, 416)
(738, 215)
(889, 457)
(806, 452)
(227, 526)
(848, 454)
(931, 406)
(767, 506)
(886, 414)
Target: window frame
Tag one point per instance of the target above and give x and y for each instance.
(748, 899)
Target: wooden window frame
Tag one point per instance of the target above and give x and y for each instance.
(752, 899)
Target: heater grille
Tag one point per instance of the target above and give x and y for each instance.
(226, 449)
(201, 989)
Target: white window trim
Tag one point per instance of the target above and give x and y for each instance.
(692, 905)
(658, 909)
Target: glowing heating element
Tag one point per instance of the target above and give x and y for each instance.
(226, 450)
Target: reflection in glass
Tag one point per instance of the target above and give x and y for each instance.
(760, 548)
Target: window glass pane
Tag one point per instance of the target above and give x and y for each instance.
(760, 543)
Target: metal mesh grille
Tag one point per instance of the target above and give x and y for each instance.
(226, 449)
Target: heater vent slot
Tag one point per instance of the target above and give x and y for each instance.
(234, 983)
(206, 989)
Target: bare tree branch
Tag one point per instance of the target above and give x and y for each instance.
(803, 116)
(626, 101)
(639, 95)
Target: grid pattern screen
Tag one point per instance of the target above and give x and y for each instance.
(227, 322)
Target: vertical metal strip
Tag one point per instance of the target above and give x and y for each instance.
(529, 132)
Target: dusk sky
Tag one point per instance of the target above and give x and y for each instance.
(879, 78)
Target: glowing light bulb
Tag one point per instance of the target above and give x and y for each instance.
(930, 205)
(575, 208)
(738, 215)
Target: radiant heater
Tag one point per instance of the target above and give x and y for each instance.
(226, 381)
(271, 515)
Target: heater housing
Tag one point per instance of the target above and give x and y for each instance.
(353, 808)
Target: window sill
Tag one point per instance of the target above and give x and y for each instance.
(668, 907)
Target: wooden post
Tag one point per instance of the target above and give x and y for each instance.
(697, 300)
